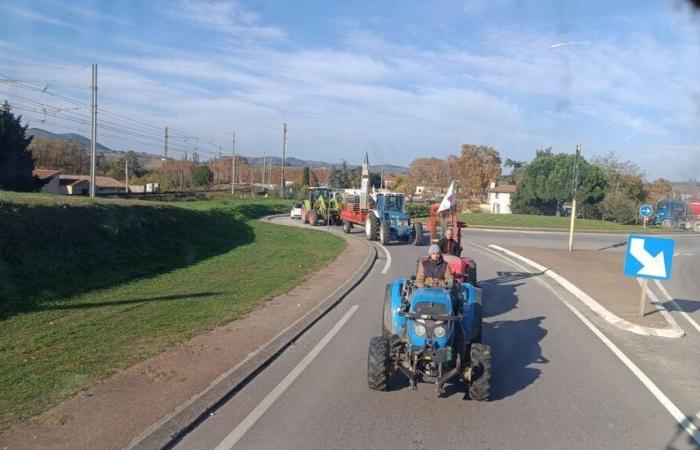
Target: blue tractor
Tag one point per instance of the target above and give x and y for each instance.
(388, 220)
(431, 334)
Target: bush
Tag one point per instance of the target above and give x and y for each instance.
(620, 209)
(416, 210)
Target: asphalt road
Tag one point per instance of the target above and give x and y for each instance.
(556, 384)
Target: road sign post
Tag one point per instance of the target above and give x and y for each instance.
(645, 211)
(648, 258)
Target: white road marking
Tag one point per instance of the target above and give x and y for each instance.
(675, 305)
(230, 441)
(654, 300)
(677, 414)
(388, 258)
(676, 254)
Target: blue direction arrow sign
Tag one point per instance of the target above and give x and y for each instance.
(645, 210)
(649, 257)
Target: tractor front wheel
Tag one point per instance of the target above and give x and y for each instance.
(384, 234)
(378, 360)
(371, 227)
(480, 383)
(419, 234)
(347, 227)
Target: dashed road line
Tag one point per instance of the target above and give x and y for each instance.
(232, 439)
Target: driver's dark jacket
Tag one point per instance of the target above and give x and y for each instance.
(434, 273)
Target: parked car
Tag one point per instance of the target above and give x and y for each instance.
(295, 213)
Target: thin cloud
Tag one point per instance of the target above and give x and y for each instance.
(35, 16)
(89, 13)
(224, 17)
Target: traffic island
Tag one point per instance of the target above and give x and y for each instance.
(596, 278)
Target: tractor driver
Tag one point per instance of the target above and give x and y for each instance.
(434, 271)
(448, 245)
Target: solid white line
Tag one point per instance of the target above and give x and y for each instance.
(388, 258)
(675, 305)
(677, 414)
(268, 401)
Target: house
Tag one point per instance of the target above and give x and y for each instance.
(499, 197)
(50, 180)
(80, 185)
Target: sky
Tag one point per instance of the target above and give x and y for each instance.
(397, 79)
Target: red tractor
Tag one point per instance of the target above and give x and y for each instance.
(463, 268)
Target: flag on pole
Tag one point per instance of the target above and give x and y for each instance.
(449, 199)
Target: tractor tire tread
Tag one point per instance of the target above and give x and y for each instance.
(378, 363)
(480, 385)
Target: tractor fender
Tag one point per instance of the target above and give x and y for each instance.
(393, 306)
(376, 214)
(472, 306)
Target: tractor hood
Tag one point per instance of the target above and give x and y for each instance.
(430, 302)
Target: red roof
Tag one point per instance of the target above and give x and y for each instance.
(504, 189)
(44, 174)
(100, 182)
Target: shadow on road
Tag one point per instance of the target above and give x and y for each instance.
(499, 296)
(689, 306)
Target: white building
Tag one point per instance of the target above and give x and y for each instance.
(499, 197)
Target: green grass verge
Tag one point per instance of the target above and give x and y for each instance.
(131, 280)
(552, 222)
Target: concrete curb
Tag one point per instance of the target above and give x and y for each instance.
(674, 332)
(168, 431)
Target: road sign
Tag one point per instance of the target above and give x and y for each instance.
(649, 257)
(645, 210)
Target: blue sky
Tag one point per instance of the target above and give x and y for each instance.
(398, 79)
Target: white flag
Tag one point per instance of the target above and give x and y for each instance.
(449, 199)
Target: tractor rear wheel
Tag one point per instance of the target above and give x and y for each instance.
(347, 227)
(384, 234)
(378, 363)
(371, 227)
(480, 383)
(313, 217)
(419, 234)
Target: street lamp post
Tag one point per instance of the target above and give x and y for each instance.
(573, 195)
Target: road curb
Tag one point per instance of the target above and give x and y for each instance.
(168, 431)
(674, 332)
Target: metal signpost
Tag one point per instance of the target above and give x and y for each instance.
(648, 258)
(645, 211)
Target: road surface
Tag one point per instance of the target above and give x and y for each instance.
(556, 384)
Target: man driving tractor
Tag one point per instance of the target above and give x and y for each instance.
(449, 246)
(434, 271)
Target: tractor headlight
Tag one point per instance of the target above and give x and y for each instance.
(419, 329)
(439, 331)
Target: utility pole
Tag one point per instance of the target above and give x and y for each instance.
(283, 186)
(93, 133)
(573, 201)
(233, 162)
(165, 163)
(221, 169)
(264, 168)
(126, 175)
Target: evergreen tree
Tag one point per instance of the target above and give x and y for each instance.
(16, 163)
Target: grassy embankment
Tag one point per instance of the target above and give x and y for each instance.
(550, 222)
(88, 288)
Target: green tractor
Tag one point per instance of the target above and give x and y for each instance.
(320, 204)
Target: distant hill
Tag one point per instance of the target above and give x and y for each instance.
(295, 162)
(154, 161)
(43, 134)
